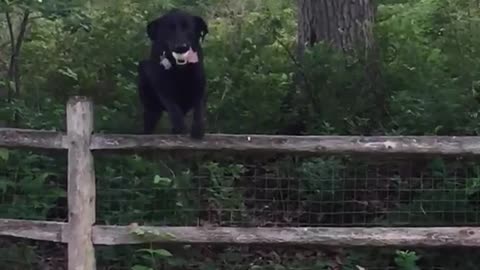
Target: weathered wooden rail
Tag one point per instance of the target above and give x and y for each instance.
(81, 233)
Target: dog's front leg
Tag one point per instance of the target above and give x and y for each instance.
(176, 117)
(150, 119)
(175, 114)
(198, 124)
(154, 74)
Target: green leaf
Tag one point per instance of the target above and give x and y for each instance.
(158, 252)
(5, 184)
(164, 180)
(4, 154)
(69, 73)
(162, 253)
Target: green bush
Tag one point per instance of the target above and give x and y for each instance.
(430, 65)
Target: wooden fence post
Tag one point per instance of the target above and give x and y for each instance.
(81, 185)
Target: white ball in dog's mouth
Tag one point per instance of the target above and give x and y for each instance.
(181, 58)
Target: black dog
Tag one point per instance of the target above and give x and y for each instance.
(173, 79)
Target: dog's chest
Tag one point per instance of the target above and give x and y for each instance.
(186, 87)
(185, 82)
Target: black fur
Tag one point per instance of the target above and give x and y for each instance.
(181, 88)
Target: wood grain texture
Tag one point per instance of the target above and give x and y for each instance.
(444, 236)
(81, 185)
(379, 236)
(294, 144)
(35, 230)
(26, 138)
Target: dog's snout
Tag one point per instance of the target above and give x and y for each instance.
(182, 48)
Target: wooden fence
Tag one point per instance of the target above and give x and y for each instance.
(81, 233)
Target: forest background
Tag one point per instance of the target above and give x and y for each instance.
(416, 71)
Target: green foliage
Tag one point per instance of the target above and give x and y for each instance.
(406, 260)
(324, 178)
(20, 256)
(152, 255)
(221, 186)
(430, 64)
(134, 188)
(429, 67)
(244, 71)
(29, 185)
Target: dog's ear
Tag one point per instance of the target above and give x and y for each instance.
(201, 27)
(152, 28)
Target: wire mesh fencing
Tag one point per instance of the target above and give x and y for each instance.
(274, 191)
(33, 186)
(294, 258)
(289, 192)
(329, 191)
(21, 254)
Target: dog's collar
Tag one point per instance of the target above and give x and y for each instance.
(165, 62)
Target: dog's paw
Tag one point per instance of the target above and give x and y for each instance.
(197, 132)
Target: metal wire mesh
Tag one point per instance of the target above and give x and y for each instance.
(267, 258)
(330, 191)
(19, 254)
(33, 186)
(37, 255)
(262, 191)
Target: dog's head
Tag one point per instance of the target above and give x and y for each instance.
(178, 33)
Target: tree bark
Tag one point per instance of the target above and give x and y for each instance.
(345, 25)
(13, 72)
(16, 46)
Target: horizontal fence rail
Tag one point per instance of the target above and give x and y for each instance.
(438, 145)
(81, 233)
(35, 139)
(294, 144)
(327, 236)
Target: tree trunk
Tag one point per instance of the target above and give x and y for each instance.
(343, 24)
(16, 42)
(13, 77)
(346, 25)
